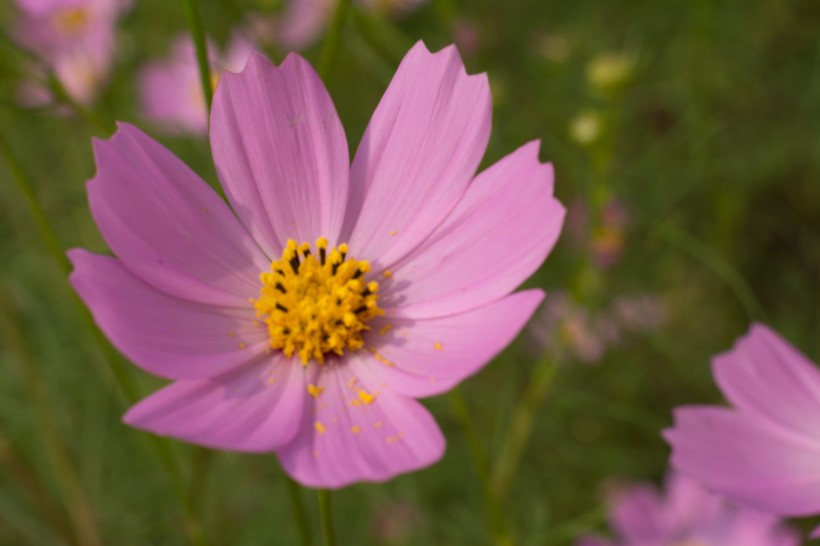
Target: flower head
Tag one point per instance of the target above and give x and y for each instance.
(171, 90)
(687, 515)
(75, 39)
(765, 451)
(307, 318)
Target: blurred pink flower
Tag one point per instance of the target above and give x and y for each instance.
(304, 350)
(764, 452)
(171, 90)
(686, 515)
(565, 327)
(606, 242)
(304, 21)
(74, 38)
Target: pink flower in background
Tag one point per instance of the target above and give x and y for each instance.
(765, 451)
(566, 328)
(304, 21)
(171, 90)
(685, 514)
(606, 241)
(74, 38)
(318, 351)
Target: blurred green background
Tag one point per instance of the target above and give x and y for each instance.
(707, 136)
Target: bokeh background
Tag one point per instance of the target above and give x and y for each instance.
(685, 137)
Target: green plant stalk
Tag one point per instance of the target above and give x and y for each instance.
(523, 420)
(326, 518)
(125, 380)
(481, 461)
(20, 471)
(333, 39)
(197, 31)
(299, 514)
(74, 497)
(62, 96)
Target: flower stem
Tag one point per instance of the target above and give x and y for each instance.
(125, 380)
(326, 516)
(333, 39)
(62, 96)
(198, 34)
(481, 462)
(523, 420)
(298, 511)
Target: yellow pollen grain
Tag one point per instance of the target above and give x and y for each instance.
(392, 439)
(384, 329)
(320, 427)
(378, 356)
(241, 345)
(393, 233)
(270, 380)
(351, 382)
(314, 390)
(366, 397)
(355, 429)
(377, 424)
(438, 346)
(387, 273)
(316, 301)
(231, 334)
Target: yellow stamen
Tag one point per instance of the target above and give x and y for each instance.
(315, 304)
(315, 391)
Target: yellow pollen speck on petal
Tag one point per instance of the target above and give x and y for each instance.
(438, 346)
(387, 273)
(355, 429)
(386, 328)
(316, 301)
(270, 380)
(366, 397)
(315, 391)
(377, 424)
(393, 233)
(392, 439)
(320, 427)
(241, 345)
(351, 382)
(231, 334)
(378, 356)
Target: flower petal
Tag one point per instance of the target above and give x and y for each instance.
(166, 336)
(419, 152)
(281, 152)
(360, 433)
(427, 357)
(257, 408)
(498, 235)
(766, 377)
(167, 226)
(749, 460)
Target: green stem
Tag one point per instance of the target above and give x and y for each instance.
(121, 373)
(333, 39)
(481, 462)
(200, 42)
(74, 497)
(299, 513)
(62, 96)
(326, 516)
(521, 427)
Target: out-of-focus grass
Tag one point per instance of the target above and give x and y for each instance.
(713, 147)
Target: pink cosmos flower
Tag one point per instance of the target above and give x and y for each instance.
(764, 452)
(686, 515)
(318, 352)
(171, 91)
(303, 21)
(75, 38)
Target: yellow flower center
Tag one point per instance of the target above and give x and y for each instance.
(316, 305)
(71, 21)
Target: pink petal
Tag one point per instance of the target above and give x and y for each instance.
(427, 357)
(258, 407)
(167, 226)
(747, 459)
(815, 533)
(498, 235)
(766, 377)
(351, 440)
(418, 154)
(164, 335)
(281, 152)
(637, 514)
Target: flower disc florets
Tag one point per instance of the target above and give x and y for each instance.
(313, 305)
